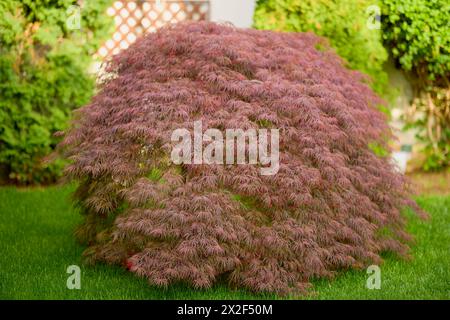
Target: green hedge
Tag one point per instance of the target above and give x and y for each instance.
(43, 76)
(343, 22)
(417, 32)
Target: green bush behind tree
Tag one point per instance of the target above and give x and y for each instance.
(44, 75)
(417, 33)
(414, 32)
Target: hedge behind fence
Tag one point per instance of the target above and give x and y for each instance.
(43, 76)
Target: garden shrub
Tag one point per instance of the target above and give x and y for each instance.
(334, 204)
(417, 34)
(43, 76)
(343, 22)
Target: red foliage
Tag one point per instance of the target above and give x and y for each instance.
(332, 205)
(128, 265)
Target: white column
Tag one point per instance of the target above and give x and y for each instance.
(238, 12)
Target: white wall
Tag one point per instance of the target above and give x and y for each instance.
(238, 12)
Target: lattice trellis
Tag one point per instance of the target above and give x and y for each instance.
(133, 18)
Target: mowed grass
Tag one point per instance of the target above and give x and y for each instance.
(37, 246)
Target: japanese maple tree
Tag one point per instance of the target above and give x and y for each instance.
(334, 204)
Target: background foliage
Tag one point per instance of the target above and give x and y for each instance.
(343, 22)
(43, 76)
(417, 34)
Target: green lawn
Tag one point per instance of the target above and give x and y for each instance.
(37, 246)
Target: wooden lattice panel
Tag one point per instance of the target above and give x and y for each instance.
(133, 18)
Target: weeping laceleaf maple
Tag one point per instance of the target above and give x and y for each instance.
(333, 204)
